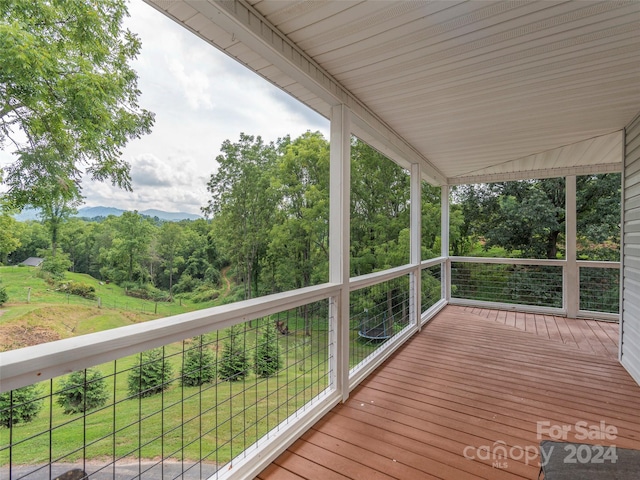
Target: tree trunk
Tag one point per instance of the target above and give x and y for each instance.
(552, 244)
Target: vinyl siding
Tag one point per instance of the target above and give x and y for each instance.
(630, 331)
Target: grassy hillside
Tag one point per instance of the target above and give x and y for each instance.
(36, 312)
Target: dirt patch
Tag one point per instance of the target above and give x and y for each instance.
(24, 335)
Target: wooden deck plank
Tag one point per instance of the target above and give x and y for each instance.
(541, 326)
(305, 468)
(600, 333)
(377, 455)
(467, 384)
(552, 328)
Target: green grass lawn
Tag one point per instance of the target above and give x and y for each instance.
(218, 420)
(37, 312)
(214, 422)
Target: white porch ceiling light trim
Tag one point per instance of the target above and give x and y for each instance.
(601, 154)
(244, 24)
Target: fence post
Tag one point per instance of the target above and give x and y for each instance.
(444, 243)
(339, 195)
(572, 276)
(415, 304)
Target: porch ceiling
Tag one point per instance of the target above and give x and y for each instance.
(474, 90)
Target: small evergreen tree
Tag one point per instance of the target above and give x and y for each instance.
(267, 360)
(81, 392)
(234, 364)
(150, 375)
(3, 296)
(19, 405)
(199, 365)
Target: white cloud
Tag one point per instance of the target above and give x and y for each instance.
(201, 98)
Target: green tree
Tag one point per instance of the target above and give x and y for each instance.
(20, 405)
(33, 239)
(234, 364)
(199, 366)
(529, 216)
(55, 209)
(82, 391)
(379, 211)
(68, 95)
(526, 216)
(151, 374)
(77, 238)
(10, 232)
(267, 358)
(170, 240)
(57, 265)
(4, 296)
(298, 250)
(127, 247)
(243, 204)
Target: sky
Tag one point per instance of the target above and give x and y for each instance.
(201, 98)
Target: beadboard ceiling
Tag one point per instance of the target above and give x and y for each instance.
(473, 90)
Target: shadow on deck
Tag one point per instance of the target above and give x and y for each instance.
(473, 385)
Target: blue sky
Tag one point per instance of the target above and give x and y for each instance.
(200, 97)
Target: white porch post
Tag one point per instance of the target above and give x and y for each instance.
(339, 238)
(416, 242)
(444, 242)
(572, 277)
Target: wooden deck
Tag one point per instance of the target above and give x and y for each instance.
(472, 383)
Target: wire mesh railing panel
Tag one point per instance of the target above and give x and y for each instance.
(185, 410)
(431, 286)
(376, 314)
(600, 289)
(508, 283)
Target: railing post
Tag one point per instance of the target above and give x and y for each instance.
(339, 238)
(416, 243)
(444, 242)
(572, 276)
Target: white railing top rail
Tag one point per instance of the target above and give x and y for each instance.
(432, 262)
(535, 261)
(597, 264)
(29, 365)
(362, 281)
(511, 261)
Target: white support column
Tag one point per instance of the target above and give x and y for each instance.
(416, 242)
(444, 242)
(339, 238)
(572, 277)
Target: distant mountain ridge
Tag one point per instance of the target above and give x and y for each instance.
(92, 212)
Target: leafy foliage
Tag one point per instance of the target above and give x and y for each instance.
(199, 364)
(4, 296)
(267, 358)
(150, 375)
(527, 217)
(82, 391)
(10, 232)
(20, 405)
(69, 95)
(56, 265)
(81, 289)
(233, 364)
(244, 204)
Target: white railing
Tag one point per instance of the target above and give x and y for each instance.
(262, 416)
(535, 285)
(306, 388)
